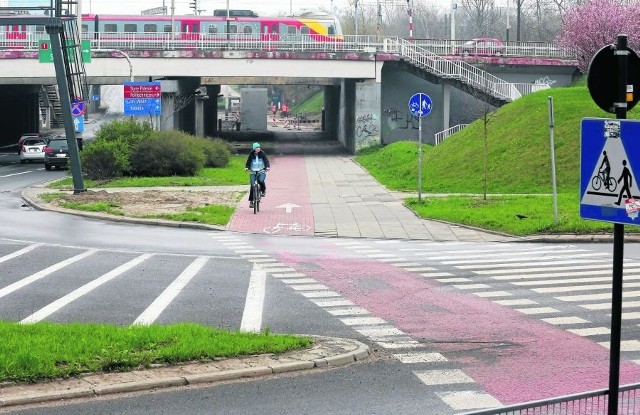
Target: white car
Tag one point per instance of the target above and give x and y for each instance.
(32, 149)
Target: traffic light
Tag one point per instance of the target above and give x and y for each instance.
(194, 6)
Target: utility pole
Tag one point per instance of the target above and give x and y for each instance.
(356, 16)
(379, 19)
(194, 6)
(410, 12)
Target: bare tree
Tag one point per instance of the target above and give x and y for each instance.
(177, 103)
(482, 16)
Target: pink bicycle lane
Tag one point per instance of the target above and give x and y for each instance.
(512, 356)
(286, 209)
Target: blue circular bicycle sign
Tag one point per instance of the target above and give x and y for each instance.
(420, 104)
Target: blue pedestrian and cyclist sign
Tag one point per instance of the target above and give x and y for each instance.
(420, 104)
(608, 183)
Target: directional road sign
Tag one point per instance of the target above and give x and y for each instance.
(78, 124)
(609, 155)
(420, 104)
(142, 98)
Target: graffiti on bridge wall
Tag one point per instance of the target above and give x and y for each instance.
(367, 131)
(400, 120)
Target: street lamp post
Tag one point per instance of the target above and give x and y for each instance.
(356, 16)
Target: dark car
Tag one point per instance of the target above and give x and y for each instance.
(56, 153)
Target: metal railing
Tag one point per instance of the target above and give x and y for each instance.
(452, 69)
(439, 137)
(507, 49)
(30, 40)
(588, 403)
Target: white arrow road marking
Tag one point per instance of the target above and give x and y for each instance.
(288, 207)
(252, 315)
(153, 311)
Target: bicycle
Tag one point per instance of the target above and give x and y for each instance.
(597, 181)
(255, 189)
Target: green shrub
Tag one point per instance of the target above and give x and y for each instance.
(128, 134)
(168, 153)
(129, 131)
(217, 152)
(104, 160)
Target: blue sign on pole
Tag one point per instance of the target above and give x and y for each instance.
(608, 184)
(420, 104)
(78, 124)
(142, 98)
(142, 106)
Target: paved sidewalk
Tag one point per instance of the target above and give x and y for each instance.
(326, 352)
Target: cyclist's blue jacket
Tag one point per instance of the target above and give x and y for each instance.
(257, 161)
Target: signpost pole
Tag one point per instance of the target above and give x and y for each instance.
(420, 161)
(620, 106)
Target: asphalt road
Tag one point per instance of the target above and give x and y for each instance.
(452, 326)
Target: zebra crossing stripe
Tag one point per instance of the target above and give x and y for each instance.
(253, 306)
(152, 312)
(41, 274)
(87, 288)
(443, 377)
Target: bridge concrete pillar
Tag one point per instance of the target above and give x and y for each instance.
(331, 110)
(347, 115)
(368, 109)
(211, 111)
(186, 109)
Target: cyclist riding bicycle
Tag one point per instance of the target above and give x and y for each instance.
(257, 162)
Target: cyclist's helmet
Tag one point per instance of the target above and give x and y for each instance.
(256, 145)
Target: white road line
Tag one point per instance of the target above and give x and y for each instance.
(252, 314)
(20, 252)
(540, 269)
(456, 257)
(514, 261)
(591, 331)
(591, 272)
(571, 281)
(152, 312)
(582, 288)
(502, 264)
(16, 174)
(420, 357)
(41, 274)
(85, 289)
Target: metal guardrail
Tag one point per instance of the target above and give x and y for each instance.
(588, 403)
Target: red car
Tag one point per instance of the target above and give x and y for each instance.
(484, 46)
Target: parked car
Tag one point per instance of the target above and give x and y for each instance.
(56, 153)
(24, 137)
(481, 47)
(32, 149)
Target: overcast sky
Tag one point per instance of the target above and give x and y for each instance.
(262, 7)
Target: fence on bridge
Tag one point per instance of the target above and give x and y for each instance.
(247, 41)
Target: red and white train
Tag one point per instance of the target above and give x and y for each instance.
(238, 24)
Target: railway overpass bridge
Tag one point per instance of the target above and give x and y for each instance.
(367, 80)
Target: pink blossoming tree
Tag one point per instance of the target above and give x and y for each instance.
(589, 26)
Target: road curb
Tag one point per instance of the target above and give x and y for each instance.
(334, 351)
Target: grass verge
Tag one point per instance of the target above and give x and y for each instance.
(32, 352)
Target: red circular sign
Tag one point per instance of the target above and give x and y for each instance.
(77, 107)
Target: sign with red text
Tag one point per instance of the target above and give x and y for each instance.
(142, 98)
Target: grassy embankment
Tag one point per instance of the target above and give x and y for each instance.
(518, 168)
